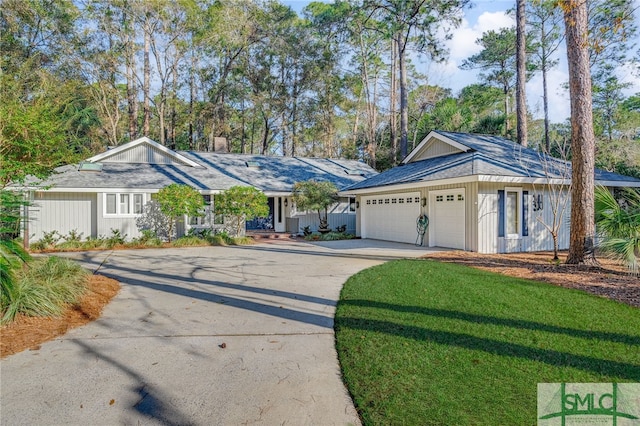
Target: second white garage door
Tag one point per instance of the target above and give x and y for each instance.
(447, 218)
(390, 217)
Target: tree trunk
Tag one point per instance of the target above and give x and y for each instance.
(132, 101)
(192, 95)
(582, 134)
(392, 102)
(521, 77)
(146, 124)
(545, 102)
(404, 100)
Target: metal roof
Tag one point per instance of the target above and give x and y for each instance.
(486, 155)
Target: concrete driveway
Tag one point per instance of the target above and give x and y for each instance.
(200, 336)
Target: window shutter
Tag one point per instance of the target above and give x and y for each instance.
(525, 213)
(501, 213)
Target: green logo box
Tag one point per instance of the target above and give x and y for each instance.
(577, 404)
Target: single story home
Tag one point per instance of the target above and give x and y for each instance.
(480, 193)
(108, 191)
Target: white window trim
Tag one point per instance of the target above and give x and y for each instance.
(145, 198)
(518, 191)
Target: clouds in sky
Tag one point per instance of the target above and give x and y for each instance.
(463, 45)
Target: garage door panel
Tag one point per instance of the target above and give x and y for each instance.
(391, 217)
(447, 224)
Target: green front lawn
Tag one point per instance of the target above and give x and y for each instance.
(423, 342)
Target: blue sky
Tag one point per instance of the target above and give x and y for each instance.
(485, 15)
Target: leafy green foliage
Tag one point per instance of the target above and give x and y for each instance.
(423, 342)
(618, 223)
(315, 195)
(176, 201)
(241, 203)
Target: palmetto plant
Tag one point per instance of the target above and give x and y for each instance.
(12, 255)
(618, 224)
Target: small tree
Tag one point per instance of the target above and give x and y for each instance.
(241, 203)
(176, 201)
(314, 195)
(558, 186)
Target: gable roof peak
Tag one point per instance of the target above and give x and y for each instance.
(163, 151)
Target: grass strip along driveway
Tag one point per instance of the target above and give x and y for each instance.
(423, 342)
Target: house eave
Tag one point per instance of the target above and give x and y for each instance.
(480, 178)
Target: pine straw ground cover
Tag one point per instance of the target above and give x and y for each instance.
(29, 332)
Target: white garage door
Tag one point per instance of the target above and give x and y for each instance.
(390, 217)
(446, 214)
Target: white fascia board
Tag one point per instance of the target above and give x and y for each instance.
(435, 135)
(479, 178)
(141, 141)
(412, 185)
(618, 183)
(277, 193)
(124, 190)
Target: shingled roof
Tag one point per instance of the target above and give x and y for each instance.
(146, 165)
(481, 155)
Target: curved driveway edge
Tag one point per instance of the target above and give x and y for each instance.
(200, 336)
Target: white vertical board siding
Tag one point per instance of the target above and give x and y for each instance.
(62, 212)
(126, 225)
(142, 154)
(488, 218)
(539, 238)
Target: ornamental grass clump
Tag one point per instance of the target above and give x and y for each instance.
(45, 288)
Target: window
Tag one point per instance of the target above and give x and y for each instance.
(111, 204)
(138, 203)
(512, 213)
(450, 197)
(439, 198)
(123, 204)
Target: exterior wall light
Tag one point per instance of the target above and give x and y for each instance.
(286, 202)
(423, 201)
